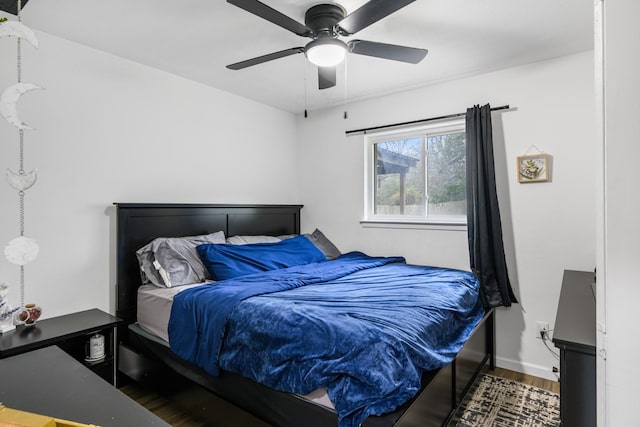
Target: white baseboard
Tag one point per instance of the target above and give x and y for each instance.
(526, 368)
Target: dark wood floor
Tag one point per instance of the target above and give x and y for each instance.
(182, 404)
(552, 386)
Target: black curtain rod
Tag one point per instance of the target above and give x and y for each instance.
(450, 116)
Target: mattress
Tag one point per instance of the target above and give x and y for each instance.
(154, 310)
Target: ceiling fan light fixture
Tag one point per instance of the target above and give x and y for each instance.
(326, 52)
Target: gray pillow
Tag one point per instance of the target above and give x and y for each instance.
(174, 261)
(323, 244)
(247, 240)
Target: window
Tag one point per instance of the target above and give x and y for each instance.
(417, 175)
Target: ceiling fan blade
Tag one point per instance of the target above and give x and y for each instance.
(263, 11)
(369, 13)
(394, 52)
(326, 77)
(265, 58)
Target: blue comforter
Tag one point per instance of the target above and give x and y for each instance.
(363, 328)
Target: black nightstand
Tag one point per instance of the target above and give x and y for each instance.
(71, 333)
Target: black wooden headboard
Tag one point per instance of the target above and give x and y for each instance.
(140, 223)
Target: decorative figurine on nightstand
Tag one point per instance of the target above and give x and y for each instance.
(6, 312)
(28, 315)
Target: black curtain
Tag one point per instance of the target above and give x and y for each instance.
(486, 249)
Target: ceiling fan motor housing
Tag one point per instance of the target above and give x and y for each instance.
(323, 18)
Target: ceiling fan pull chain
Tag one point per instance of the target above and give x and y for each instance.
(346, 80)
(304, 65)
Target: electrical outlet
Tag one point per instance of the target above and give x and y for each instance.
(543, 330)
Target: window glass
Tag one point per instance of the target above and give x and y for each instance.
(417, 176)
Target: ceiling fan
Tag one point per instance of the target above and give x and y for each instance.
(325, 24)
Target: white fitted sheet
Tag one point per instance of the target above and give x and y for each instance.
(154, 310)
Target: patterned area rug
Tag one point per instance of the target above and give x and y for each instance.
(499, 402)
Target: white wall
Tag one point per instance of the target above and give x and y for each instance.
(619, 288)
(548, 227)
(110, 130)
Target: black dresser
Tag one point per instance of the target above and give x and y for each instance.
(575, 335)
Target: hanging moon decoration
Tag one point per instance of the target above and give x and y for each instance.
(22, 182)
(18, 29)
(9, 99)
(21, 250)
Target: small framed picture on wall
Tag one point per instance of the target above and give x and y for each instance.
(533, 168)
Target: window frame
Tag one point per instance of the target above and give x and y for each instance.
(370, 218)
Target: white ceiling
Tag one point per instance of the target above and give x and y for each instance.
(195, 39)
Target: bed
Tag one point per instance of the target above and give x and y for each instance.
(441, 389)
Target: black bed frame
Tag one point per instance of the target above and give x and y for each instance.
(137, 224)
